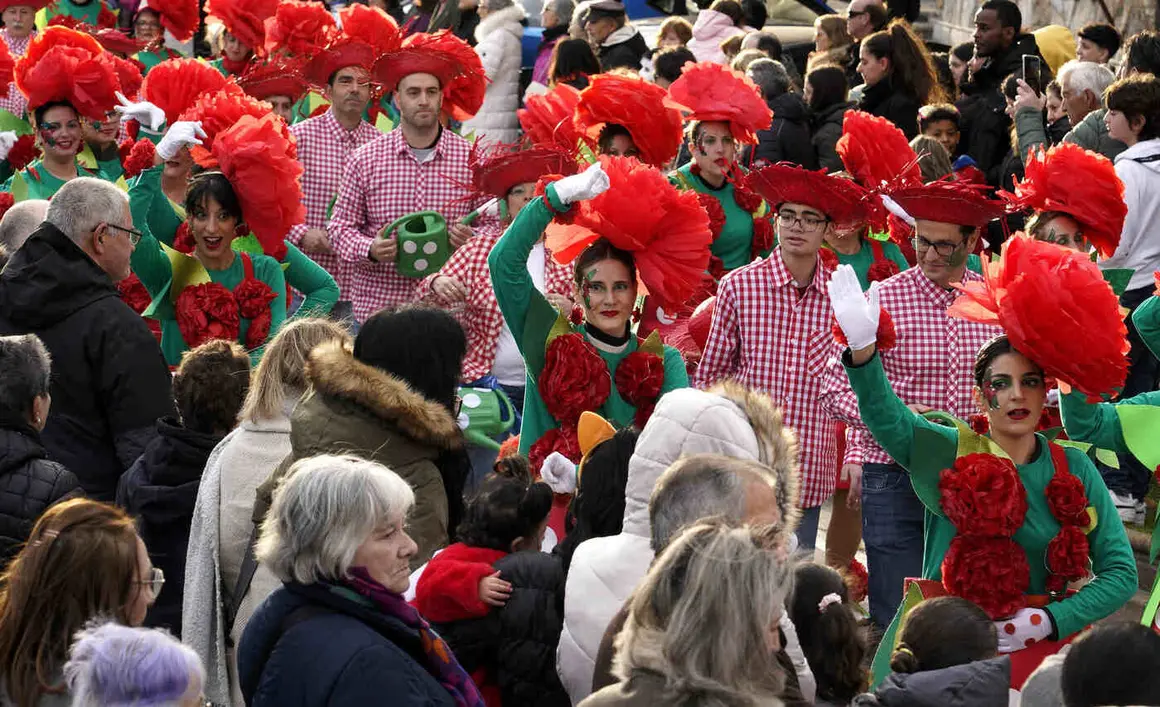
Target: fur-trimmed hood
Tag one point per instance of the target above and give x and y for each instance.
(333, 372)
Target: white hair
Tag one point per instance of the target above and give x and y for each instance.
(83, 203)
(323, 510)
(20, 221)
(1082, 76)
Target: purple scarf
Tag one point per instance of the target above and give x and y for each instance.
(441, 662)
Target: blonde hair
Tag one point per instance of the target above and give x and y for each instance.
(834, 27)
(282, 370)
(702, 618)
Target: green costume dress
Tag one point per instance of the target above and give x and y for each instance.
(735, 242)
(531, 317)
(925, 448)
(111, 169)
(864, 258)
(36, 182)
(150, 206)
(153, 58)
(87, 13)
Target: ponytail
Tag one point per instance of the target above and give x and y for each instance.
(911, 69)
(829, 634)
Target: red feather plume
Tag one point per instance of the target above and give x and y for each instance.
(175, 84)
(219, 111)
(547, 119)
(245, 19)
(298, 28)
(669, 240)
(138, 157)
(876, 152)
(371, 26)
(638, 106)
(1081, 184)
(1056, 309)
(65, 65)
(713, 92)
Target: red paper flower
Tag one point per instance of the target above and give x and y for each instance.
(716, 214)
(254, 298)
(7, 201)
(829, 258)
(747, 199)
(206, 312)
(1067, 554)
(764, 237)
(23, 153)
(882, 269)
(639, 378)
(887, 335)
(980, 423)
(1067, 499)
(857, 581)
(574, 378)
(716, 267)
(982, 495)
(183, 239)
(105, 17)
(991, 572)
(137, 158)
(134, 294)
(561, 439)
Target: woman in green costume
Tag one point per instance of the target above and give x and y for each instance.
(60, 138)
(599, 363)
(1011, 518)
(147, 29)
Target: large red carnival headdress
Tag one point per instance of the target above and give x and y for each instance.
(713, 92)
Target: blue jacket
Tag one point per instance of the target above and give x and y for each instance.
(334, 653)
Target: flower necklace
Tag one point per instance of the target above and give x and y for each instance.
(210, 311)
(882, 267)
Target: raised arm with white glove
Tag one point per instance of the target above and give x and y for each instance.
(180, 134)
(856, 315)
(589, 184)
(143, 112)
(7, 141)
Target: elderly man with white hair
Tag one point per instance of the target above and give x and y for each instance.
(1082, 85)
(109, 382)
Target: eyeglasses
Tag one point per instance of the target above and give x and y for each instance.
(134, 236)
(155, 582)
(802, 222)
(944, 250)
(855, 13)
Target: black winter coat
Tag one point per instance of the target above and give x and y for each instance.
(517, 644)
(110, 383)
(899, 108)
(29, 484)
(827, 129)
(626, 54)
(160, 490)
(788, 137)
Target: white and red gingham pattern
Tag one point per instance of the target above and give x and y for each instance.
(770, 337)
(15, 102)
(381, 182)
(480, 315)
(324, 148)
(931, 364)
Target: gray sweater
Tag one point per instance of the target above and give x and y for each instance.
(1090, 134)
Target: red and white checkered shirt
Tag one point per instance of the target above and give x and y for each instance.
(15, 102)
(480, 315)
(931, 364)
(382, 182)
(324, 148)
(770, 336)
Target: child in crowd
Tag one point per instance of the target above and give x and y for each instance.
(674, 32)
(1113, 664)
(941, 122)
(1058, 124)
(494, 596)
(946, 645)
(829, 634)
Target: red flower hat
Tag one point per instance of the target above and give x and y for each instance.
(547, 119)
(666, 230)
(175, 84)
(640, 107)
(62, 64)
(128, 74)
(245, 19)
(219, 111)
(840, 199)
(298, 28)
(876, 152)
(712, 92)
(948, 202)
(1079, 183)
(495, 172)
(367, 35)
(1056, 309)
(36, 5)
(180, 17)
(280, 76)
(449, 59)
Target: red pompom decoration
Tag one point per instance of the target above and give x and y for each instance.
(107, 19)
(206, 312)
(139, 157)
(639, 378)
(829, 258)
(254, 298)
(886, 336)
(180, 17)
(23, 153)
(983, 495)
(547, 119)
(882, 269)
(7, 66)
(62, 64)
(245, 19)
(1067, 554)
(857, 581)
(1067, 499)
(297, 28)
(7, 201)
(764, 238)
(713, 92)
(574, 378)
(990, 572)
(561, 439)
(640, 107)
(134, 294)
(876, 152)
(980, 423)
(749, 200)
(183, 240)
(175, 84)
(715, 213)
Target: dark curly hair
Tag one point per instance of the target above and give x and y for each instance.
(508, 506)
(210, 386)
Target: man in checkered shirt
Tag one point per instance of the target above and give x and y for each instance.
(931, 367)
(326, 144)
(771, 327)
(19, 28)
(418, 166)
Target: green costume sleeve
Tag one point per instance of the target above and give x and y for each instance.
(111, 170)
(151, 208)
(1113, 562)
(901, 432)
(1094, 423)
(318, 288)
(676, 374)
(892, 252)
(1146, 317)
(150, 264)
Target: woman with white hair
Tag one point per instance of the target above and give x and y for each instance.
(111, 665)
(703, 625)
(339, 632)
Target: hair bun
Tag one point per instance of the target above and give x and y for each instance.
(903, 660)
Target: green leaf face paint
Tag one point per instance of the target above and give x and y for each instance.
(957, 258)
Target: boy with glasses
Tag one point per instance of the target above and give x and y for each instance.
(771, 327)
(930, 368)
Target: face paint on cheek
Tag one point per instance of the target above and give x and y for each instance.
(957, 258)
(586, 289)
(990, 395)
(46, 136)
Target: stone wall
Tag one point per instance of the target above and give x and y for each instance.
(952, 21)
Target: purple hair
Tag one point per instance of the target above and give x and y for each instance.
(111, 665)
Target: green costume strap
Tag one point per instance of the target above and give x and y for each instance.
(1146, 317)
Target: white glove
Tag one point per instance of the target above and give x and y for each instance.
(1052, 398)
(857, 316)
(144, 112)
(180, 134)
(559, 473)
(1026, 627)
(7, 140)
(589, 184)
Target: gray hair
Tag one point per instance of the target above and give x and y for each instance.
(20, 221)
(770, 76)
(111, 665)
(1080, 76)
(323, 510)
(82, 204)
(702, 615)
(562, 8)
(697, 487)
(27, 368)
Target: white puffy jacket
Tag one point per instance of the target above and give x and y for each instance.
(604, 572)
(498, 36)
